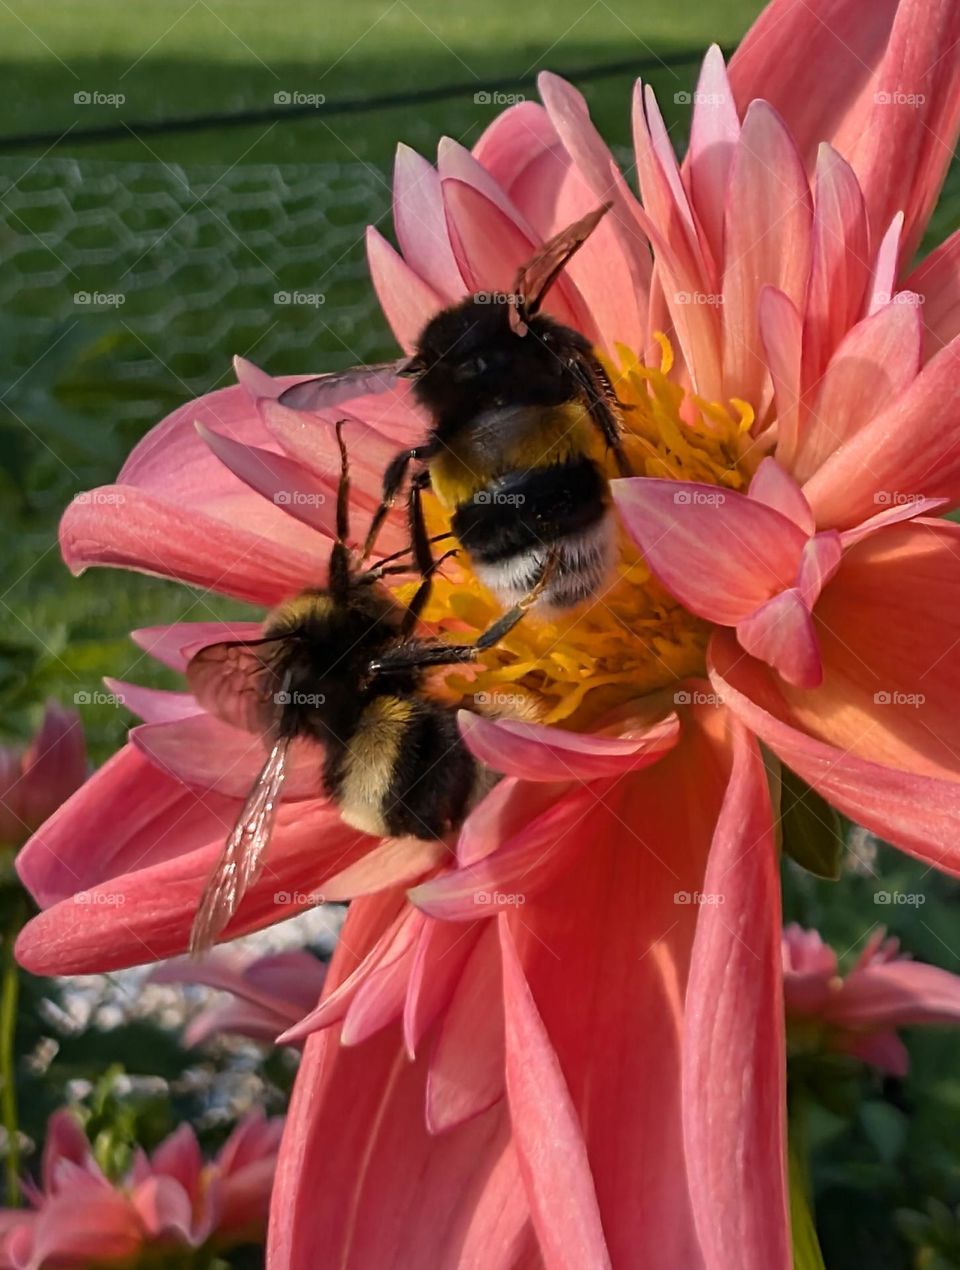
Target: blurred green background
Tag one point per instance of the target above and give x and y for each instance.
(198, 231)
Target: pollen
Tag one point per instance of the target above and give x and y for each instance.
(632, 638)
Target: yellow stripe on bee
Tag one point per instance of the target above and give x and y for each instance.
(310, 605)
(544, 435)
(371, 758)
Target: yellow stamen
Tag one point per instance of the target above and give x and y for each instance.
(632, 638)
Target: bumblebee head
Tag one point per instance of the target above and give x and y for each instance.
(469, 359)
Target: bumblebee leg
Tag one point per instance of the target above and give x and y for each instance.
(420, 539)
(421, 595)
(426, 655)
(392, 480)
(601, 401)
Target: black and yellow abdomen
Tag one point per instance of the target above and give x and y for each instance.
(524, 485)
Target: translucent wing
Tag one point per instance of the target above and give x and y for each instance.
(243, 854)
(237, 682)
(341, 385)
(537, 276)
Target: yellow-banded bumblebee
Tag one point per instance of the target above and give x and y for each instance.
(340, 668)
(522, 414)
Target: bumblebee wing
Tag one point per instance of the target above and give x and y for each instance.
(537, 276)
(602, 404)
(237, 681)
(341, 385)
(243, 854)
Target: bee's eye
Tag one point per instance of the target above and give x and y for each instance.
(470, 368)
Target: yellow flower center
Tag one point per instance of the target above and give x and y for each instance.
(632, 638)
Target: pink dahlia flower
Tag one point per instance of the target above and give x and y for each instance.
(859, 1013)
(559, 1040)
(34, 782)
(270, 993)
(167, 1201)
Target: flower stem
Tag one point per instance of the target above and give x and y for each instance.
(9, 993)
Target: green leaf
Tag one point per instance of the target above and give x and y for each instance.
(806, 1247)
(812, 832)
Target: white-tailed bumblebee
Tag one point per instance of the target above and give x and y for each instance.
(339, 668)
(522, 415)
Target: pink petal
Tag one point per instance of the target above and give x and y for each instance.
(768, 243)
(774, 487)
(146, 915)
(899, 993)
(781, 331)
(421, 226)
(909, 450)
(285, 483)
(812, 64)
(152, 818)
(874, 364)
(714, 132)
(892, 516)
(838, 261)
(54, 765)
(516, 870)
(937, 280)
(123, 527)
(553, 1157)
(533, 752)
(166, 1212)
(438, 961)
(408, 302)
(569, 115)
(920, 814)
(721, 553)
(153, 705)
(178, 1157)
(206, 754)
(166, 643)
(104, 1227)
(912, 111)
(883, 1050)
(490, 249)
(781, 633)
(883, 282)
(466, 1074)
(734, 1059)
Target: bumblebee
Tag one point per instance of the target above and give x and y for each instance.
(335, 687)
(522, 415)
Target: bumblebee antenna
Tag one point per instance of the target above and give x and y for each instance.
(537, 276)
